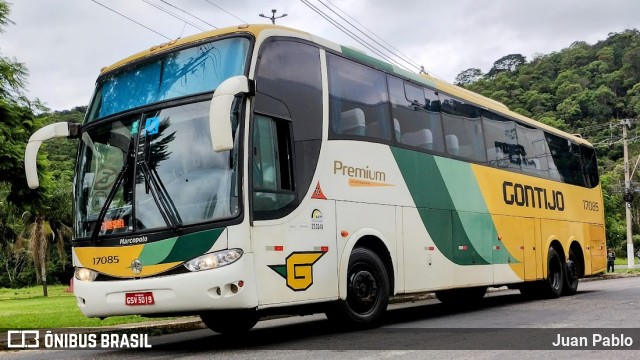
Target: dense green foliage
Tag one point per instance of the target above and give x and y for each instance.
(584, 89)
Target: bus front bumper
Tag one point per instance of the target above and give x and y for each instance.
(229, 287)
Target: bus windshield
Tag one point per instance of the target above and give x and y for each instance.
(153, 170)
(176, 74)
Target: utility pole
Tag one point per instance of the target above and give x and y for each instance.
(273, 16)
(628, 194)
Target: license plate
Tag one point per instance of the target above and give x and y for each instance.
(139, 298)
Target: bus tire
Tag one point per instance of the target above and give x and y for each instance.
(367, 292)
(231, 322)
(571, 275)
(555, 274)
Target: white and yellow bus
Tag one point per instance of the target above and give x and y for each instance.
(259, 169)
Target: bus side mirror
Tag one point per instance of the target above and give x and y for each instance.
(60, 129)
(220, 111)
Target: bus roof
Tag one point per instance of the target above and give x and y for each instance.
(424, 79)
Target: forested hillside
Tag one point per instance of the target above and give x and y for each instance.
(584, 89)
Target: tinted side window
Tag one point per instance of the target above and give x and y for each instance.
(289, 73)
(590, 166)
(462, 129)
(358, 101)
(289, 87)
(500, 135)
(565, 156)
(535, 152)
(415, 123)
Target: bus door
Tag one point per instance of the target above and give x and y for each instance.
(293, 238)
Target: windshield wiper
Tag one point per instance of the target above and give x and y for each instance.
(165, 204)
(154, 184)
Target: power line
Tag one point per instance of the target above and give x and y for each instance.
(244, 22)
(401, 56)
(351, 34)
(130, 19)
(190, 14)
(174, 15)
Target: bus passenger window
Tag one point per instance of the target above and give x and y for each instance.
(463, 129)
(414, 121)
(503, 150)
(358, 101)
(536, 158)
(566, 158)
(590, 166)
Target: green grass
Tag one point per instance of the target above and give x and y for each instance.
(623, 261)
(27, 309)
(624, 270)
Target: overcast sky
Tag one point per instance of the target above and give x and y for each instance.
(64, 43)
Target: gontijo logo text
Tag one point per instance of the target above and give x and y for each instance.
(532, 196)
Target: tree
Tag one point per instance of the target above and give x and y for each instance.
(508, 63)
(18, 122)
(468, 76)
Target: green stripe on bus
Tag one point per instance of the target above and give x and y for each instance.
(195, 244)
(355, 54)
(452, 208)
(181, 248)
(155, 252)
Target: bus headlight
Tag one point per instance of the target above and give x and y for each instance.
(214, 260)
(84, 274)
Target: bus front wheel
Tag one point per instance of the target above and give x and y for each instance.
(367, 291)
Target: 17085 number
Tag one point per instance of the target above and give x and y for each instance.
(103, 260)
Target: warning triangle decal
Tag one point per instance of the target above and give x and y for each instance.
(317, 193)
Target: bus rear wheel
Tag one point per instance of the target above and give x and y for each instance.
(555, 274)
(230, 322)
(572, 274)
(367, 292)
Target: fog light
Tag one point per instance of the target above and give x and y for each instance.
(84, 274)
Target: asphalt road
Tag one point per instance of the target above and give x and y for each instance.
(426, 329)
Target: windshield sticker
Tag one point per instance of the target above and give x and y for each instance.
(134, 128)
(316, 220)
(152, 125)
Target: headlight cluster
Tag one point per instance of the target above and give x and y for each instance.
(213, 260)
(84, 274)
